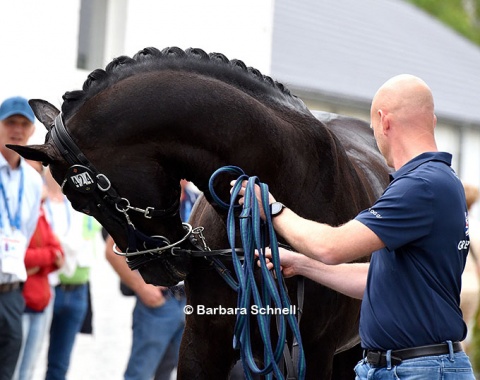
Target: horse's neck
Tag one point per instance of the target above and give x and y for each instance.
(196, 126)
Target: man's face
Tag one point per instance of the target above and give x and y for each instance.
(15, 129)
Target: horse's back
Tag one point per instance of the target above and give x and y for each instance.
(357, 138)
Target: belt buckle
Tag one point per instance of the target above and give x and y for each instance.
(374, 357)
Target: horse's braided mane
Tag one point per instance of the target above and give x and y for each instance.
(216, 65)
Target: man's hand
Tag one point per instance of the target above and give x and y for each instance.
(59, 259)
(258, 195)
(288, 261)
(151, 295)
(32, 270)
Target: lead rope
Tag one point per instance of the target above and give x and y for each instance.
(272, 295)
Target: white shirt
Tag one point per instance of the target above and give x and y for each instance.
(30, 207)
(69, 226)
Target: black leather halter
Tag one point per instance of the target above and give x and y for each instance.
(82, 176)
(96, 180)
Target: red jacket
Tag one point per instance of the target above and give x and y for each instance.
(42, 253)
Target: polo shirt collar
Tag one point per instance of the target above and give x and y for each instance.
(421, 159)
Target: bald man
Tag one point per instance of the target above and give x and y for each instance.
(417, 234)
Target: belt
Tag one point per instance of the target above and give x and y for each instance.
(379, 358)
(10, 287)
(70, 287)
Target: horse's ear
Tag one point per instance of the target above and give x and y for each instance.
(43, 153)
(44, 111)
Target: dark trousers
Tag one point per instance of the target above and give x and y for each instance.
(12, 305)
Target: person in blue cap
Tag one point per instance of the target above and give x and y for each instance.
(20, 194)
(417, 233)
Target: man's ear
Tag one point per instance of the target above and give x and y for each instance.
(44, 153)
(384, 121)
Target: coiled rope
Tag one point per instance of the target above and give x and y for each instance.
(272, 293)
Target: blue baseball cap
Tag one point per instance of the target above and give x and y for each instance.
(16, 106)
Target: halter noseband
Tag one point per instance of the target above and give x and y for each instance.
(82, 176)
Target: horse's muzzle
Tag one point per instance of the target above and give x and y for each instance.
(165, 270)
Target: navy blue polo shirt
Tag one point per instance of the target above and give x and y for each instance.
(413, 287)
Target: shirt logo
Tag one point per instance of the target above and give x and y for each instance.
(373, 212)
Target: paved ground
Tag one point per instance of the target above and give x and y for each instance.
(103, 355)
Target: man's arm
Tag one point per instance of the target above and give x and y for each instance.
(150, 295)
(322, 242)
(330, 245)
(348, 279)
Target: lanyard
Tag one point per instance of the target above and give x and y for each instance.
(14, 220)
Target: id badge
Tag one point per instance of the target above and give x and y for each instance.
(12, 253)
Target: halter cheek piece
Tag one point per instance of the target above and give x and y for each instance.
(83, 177)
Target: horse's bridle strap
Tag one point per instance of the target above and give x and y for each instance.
(65, 144)
(73, 155)
(216, 252)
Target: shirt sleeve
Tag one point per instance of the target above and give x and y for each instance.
(402, 214)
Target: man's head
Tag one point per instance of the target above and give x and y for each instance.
(402, 110)
(16, 125)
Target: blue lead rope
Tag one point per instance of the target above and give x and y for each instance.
(272, 297)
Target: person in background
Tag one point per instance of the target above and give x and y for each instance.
(157, 309)
(188, 196)
(20, 194)
(470, 285)
(157, 322)
(417, 234)
(44, 255)
(76, 233)
(470, 300)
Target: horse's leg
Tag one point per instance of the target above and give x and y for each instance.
(323, 364)
(319, 358)
(206, 351)
(344, 363)
(325, 332)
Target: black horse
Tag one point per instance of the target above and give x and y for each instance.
(120, 146)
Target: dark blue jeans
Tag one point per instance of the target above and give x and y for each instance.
(12, 305)
(155, 329)
(453, 366)
(69, 311)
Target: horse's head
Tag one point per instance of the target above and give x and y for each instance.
(103, 186)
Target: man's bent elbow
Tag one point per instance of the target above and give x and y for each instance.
(330, 256)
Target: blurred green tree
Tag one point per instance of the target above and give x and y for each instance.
(461, 15)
